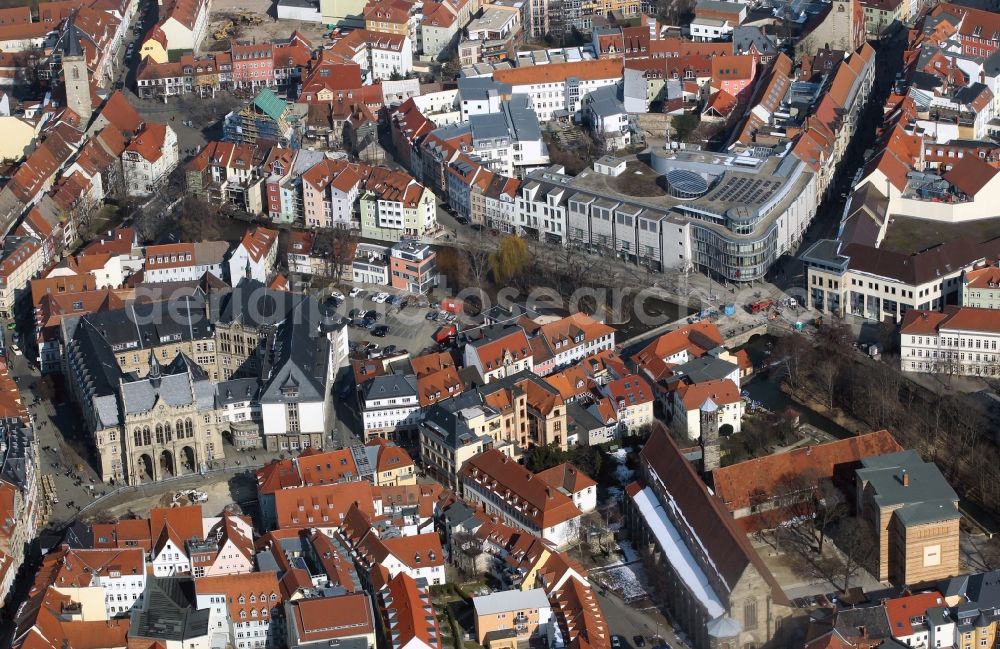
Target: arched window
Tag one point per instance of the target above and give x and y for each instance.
(188, 428)
(179, 427)
(159, 434)
(76, 70)
(138, 437)
(166, 431)
(146, 439)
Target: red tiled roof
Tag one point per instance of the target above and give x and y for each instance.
(580, 616)
(322, 505)
(150, 142)
(697, 339)
(629, 391)
(416, 551)
(259, 592)
(491, 354)
(987, 277)
(902, 610)
(970, 174)
(720, 391)
(328, 618)
(559, 72)
(918, 322)
(739, 483)
(567, 476)
(258, 241)
(542, 505)
(121, 114)
(408, 613)
(735, 67)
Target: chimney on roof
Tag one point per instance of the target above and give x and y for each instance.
(905, 478)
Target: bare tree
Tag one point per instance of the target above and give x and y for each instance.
(827, 374)
(795, 353)
(830, 507)
(857, 542)
(338, 245)
(478, 258)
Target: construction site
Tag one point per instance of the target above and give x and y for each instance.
(252, 20)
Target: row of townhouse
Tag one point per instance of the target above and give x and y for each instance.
(391, 400)
(927, 166)
(276, 64)
(23, 507)
(176, 541)
(697, 224)
(380, 462)
(89, 32)
(545, 594)
(293, 185)
(956, 613)
(66, 178)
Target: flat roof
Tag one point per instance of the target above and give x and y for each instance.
(510, 600)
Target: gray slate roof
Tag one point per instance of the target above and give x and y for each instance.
(928, 496)
(298, 372)
(168, 611)
(388, 386)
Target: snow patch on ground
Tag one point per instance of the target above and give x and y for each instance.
(627, 581)
(629, 551)
(622, 473)
(626, 554)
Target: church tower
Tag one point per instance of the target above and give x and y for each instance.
(709, 439)
(76, 75)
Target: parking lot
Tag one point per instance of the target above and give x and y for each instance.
(396, 327)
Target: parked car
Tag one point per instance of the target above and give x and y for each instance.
(616, 641)
(354, 313)
(371, 314)
(380, 331)
(389, 349)
(337, 295)
(639, 641)
(355, 292)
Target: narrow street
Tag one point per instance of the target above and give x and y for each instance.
(626, 620)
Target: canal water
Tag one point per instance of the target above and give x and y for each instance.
(765, 388)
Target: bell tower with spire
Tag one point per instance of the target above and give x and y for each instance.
(709, 439)
(76, 74)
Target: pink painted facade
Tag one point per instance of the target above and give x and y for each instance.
(253, 65)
